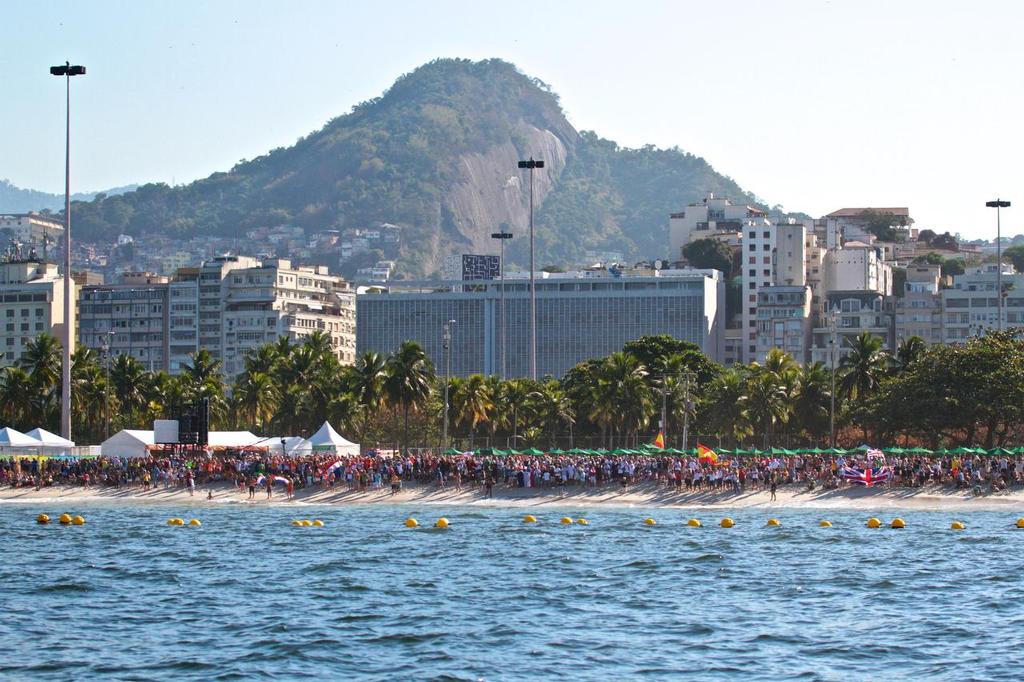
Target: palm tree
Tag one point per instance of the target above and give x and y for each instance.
(768, 402)
(725, 410)
(513, 398)
(553, 408)
(132, 384)
(813, 401)
(15, 387)
(623, 393)
(202, 379)
(909, 351)
(476, 404)
(42, 360)
(369, 378)
(409, 381)
(256, 398)
(863, 367)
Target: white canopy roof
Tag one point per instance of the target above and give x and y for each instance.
(11, 438)
(294, 446)
(131, 443)
(50, 439)
(329, 439)
(127, 443)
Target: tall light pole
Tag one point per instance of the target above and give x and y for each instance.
(532, 165)
(999, 204)
(501, 237)
(446, 337)
(106, 383)
(832, 392)
(67, 71)
(687, 406)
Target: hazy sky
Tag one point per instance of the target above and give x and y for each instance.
(812, 105)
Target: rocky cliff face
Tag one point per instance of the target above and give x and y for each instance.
(492, 191)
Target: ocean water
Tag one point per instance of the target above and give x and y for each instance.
(248, 596)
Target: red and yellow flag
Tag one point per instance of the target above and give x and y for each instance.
(706, 454)
(659, 442)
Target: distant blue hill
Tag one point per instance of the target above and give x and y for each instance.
(14, 199)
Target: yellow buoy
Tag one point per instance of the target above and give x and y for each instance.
(825, 524)
(1020, 523)
(582, 522)
(411, 522)
(318, 523)
(307, 522)
(529, 518)
(773, 522)
(194, 522)
(441, 523)
(727, 523)
(693, 523)
(898, 523)
(42, 518)
(77, 520)
(65, 518)
(172, 522)
(956, 525)
(296, 522)
(179, 521)
(566, 520)
(874, 523)
(650, 522)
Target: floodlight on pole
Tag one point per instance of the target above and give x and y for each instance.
(999, 204)
(67, 71)
(532, 165)
(501, 237)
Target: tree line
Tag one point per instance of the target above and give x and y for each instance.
(965, 394)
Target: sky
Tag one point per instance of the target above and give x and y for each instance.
(811, 105)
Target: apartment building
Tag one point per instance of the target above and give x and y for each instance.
(31, 303)
(276, 299)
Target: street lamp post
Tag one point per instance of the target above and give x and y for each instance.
(106, 384)
(999, 204)
(531, 164)
(501, 237)
(832, 392)
(446, 337)
(687, 405)
(67, 71)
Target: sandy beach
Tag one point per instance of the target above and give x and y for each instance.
(933, 498)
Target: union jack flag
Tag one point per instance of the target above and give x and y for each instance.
(866, 477)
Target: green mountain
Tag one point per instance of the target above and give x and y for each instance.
(436, 154)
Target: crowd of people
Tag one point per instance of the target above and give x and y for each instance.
(259, 474)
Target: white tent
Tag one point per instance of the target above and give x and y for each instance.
(10, 438)
(232, 439)
(50, 439)
(127, 443)
(294, 446)
(327, 439)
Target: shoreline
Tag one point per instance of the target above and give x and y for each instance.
(932, 498)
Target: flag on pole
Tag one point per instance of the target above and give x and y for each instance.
(659, 442)
(706, 454)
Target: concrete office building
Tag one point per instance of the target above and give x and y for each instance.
(580, 315)
(31, 303)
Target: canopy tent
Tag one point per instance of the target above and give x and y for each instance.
(10, 438)
(232, 439)
(50, 439)
(290, 446)
(330, 440)
(128, 443)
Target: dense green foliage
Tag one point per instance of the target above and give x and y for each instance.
(964, 394)
(709, 253)
(396, 158)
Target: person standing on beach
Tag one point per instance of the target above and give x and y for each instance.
(774, 485)
(291, 488)
(251, 483)
(270, 485)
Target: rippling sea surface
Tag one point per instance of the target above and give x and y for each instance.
(249, 596)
